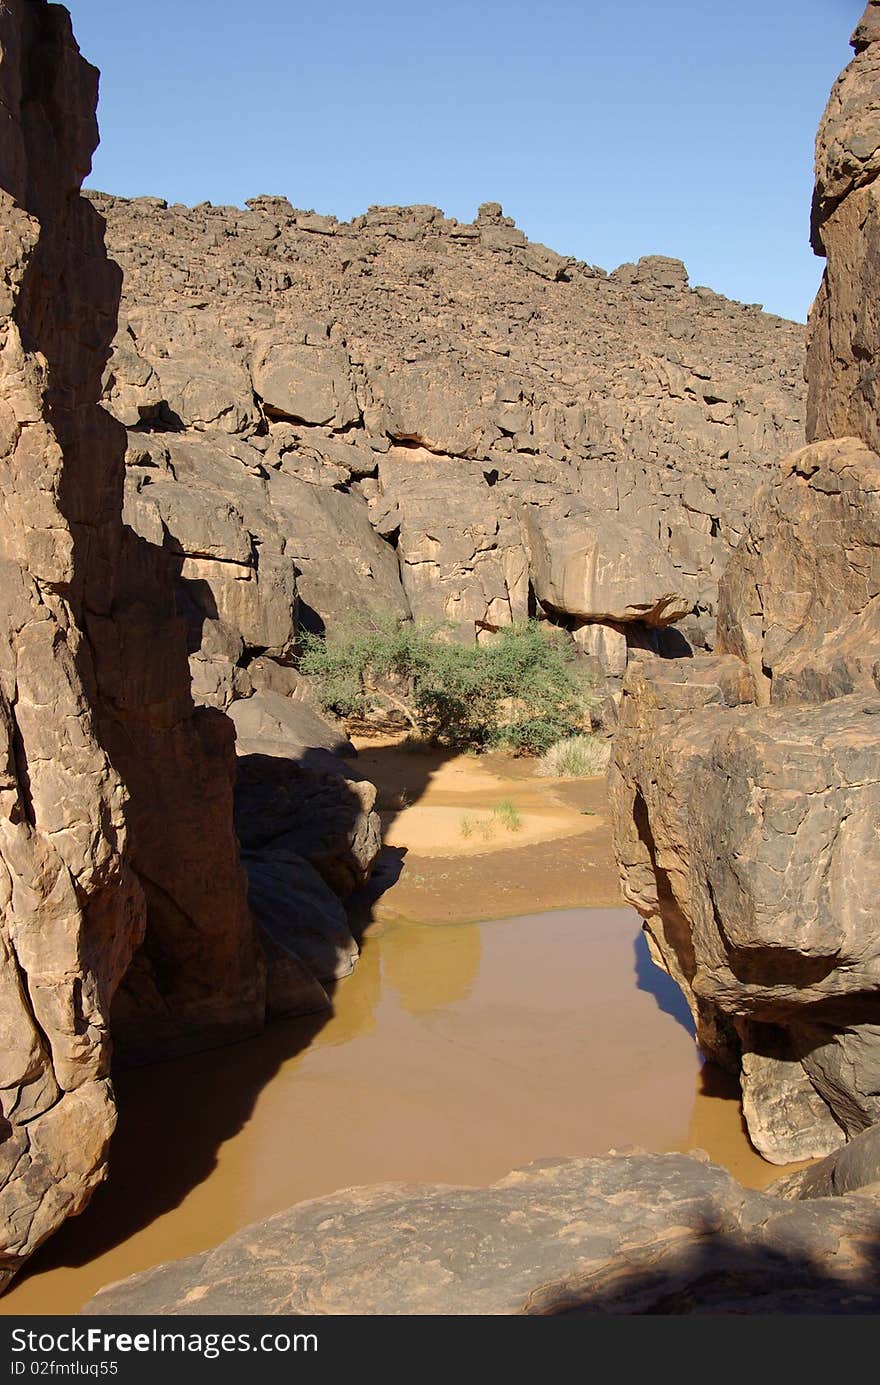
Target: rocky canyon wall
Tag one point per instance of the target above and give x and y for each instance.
(123, 900)
(746, 785)
(408, 414)
(73, 910)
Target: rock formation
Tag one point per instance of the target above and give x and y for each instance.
(410, 414)
(745, 784)
(124, 901)
(843, 398)
(73, 909)
(640, 1233)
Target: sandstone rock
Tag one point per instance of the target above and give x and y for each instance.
(754, 859)
(604, 643)
(479, 372)
(641, 1233)
(855, 1168)
(460, 553)
(272, 723)
(309, 834)
(799, 599)
(744, 837)
(615, 575)
(98, 734)
(343, 568)
(303, 917)
(318, 808)
(844, 330)
(311, 383)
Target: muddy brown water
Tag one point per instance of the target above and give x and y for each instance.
(456, 1051)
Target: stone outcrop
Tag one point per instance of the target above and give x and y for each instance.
(434, 418)
(746, 786)
(73, 899)
(123, 900)
(640, 1233)
(746, 840)
(844, 328)
(853, 1169)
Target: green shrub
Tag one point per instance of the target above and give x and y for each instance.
(521, 690)
(576, 757)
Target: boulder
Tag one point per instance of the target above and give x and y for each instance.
(612, 573)
(308, 382)
(460, 553)
(343, 567)
(745, 838)
(623, 1234)
(853, 1169)
(318, 808)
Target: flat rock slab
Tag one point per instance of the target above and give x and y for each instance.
(636, 1233)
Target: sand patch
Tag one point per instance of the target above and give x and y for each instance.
(452, 851)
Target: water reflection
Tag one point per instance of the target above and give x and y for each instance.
(454, 1053)
(455, 952)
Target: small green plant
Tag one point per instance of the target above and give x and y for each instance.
(522, 690)
(467, 824)
(507, 815)
(576, 757)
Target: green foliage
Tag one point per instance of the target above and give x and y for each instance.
(576, 757)
(521, 690)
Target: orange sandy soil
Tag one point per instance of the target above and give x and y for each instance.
(433, 869)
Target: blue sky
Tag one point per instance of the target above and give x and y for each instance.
(609, 129)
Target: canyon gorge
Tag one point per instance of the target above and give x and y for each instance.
(224, 428)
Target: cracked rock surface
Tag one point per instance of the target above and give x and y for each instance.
(746, 785)
(637, 1233)
(406, 413)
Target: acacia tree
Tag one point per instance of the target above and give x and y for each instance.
(522, 689)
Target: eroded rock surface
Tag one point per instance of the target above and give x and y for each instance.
(98, 725)
(418, 407)
(844, 330)
(747, 840)
(641, 1233)
(123, 900)
(746, 787)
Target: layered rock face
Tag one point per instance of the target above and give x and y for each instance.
(746, 786)
(408, 414)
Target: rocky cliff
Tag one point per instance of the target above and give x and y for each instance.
(404, 413)
(745, 784)
(410, 414)
(123, 900)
